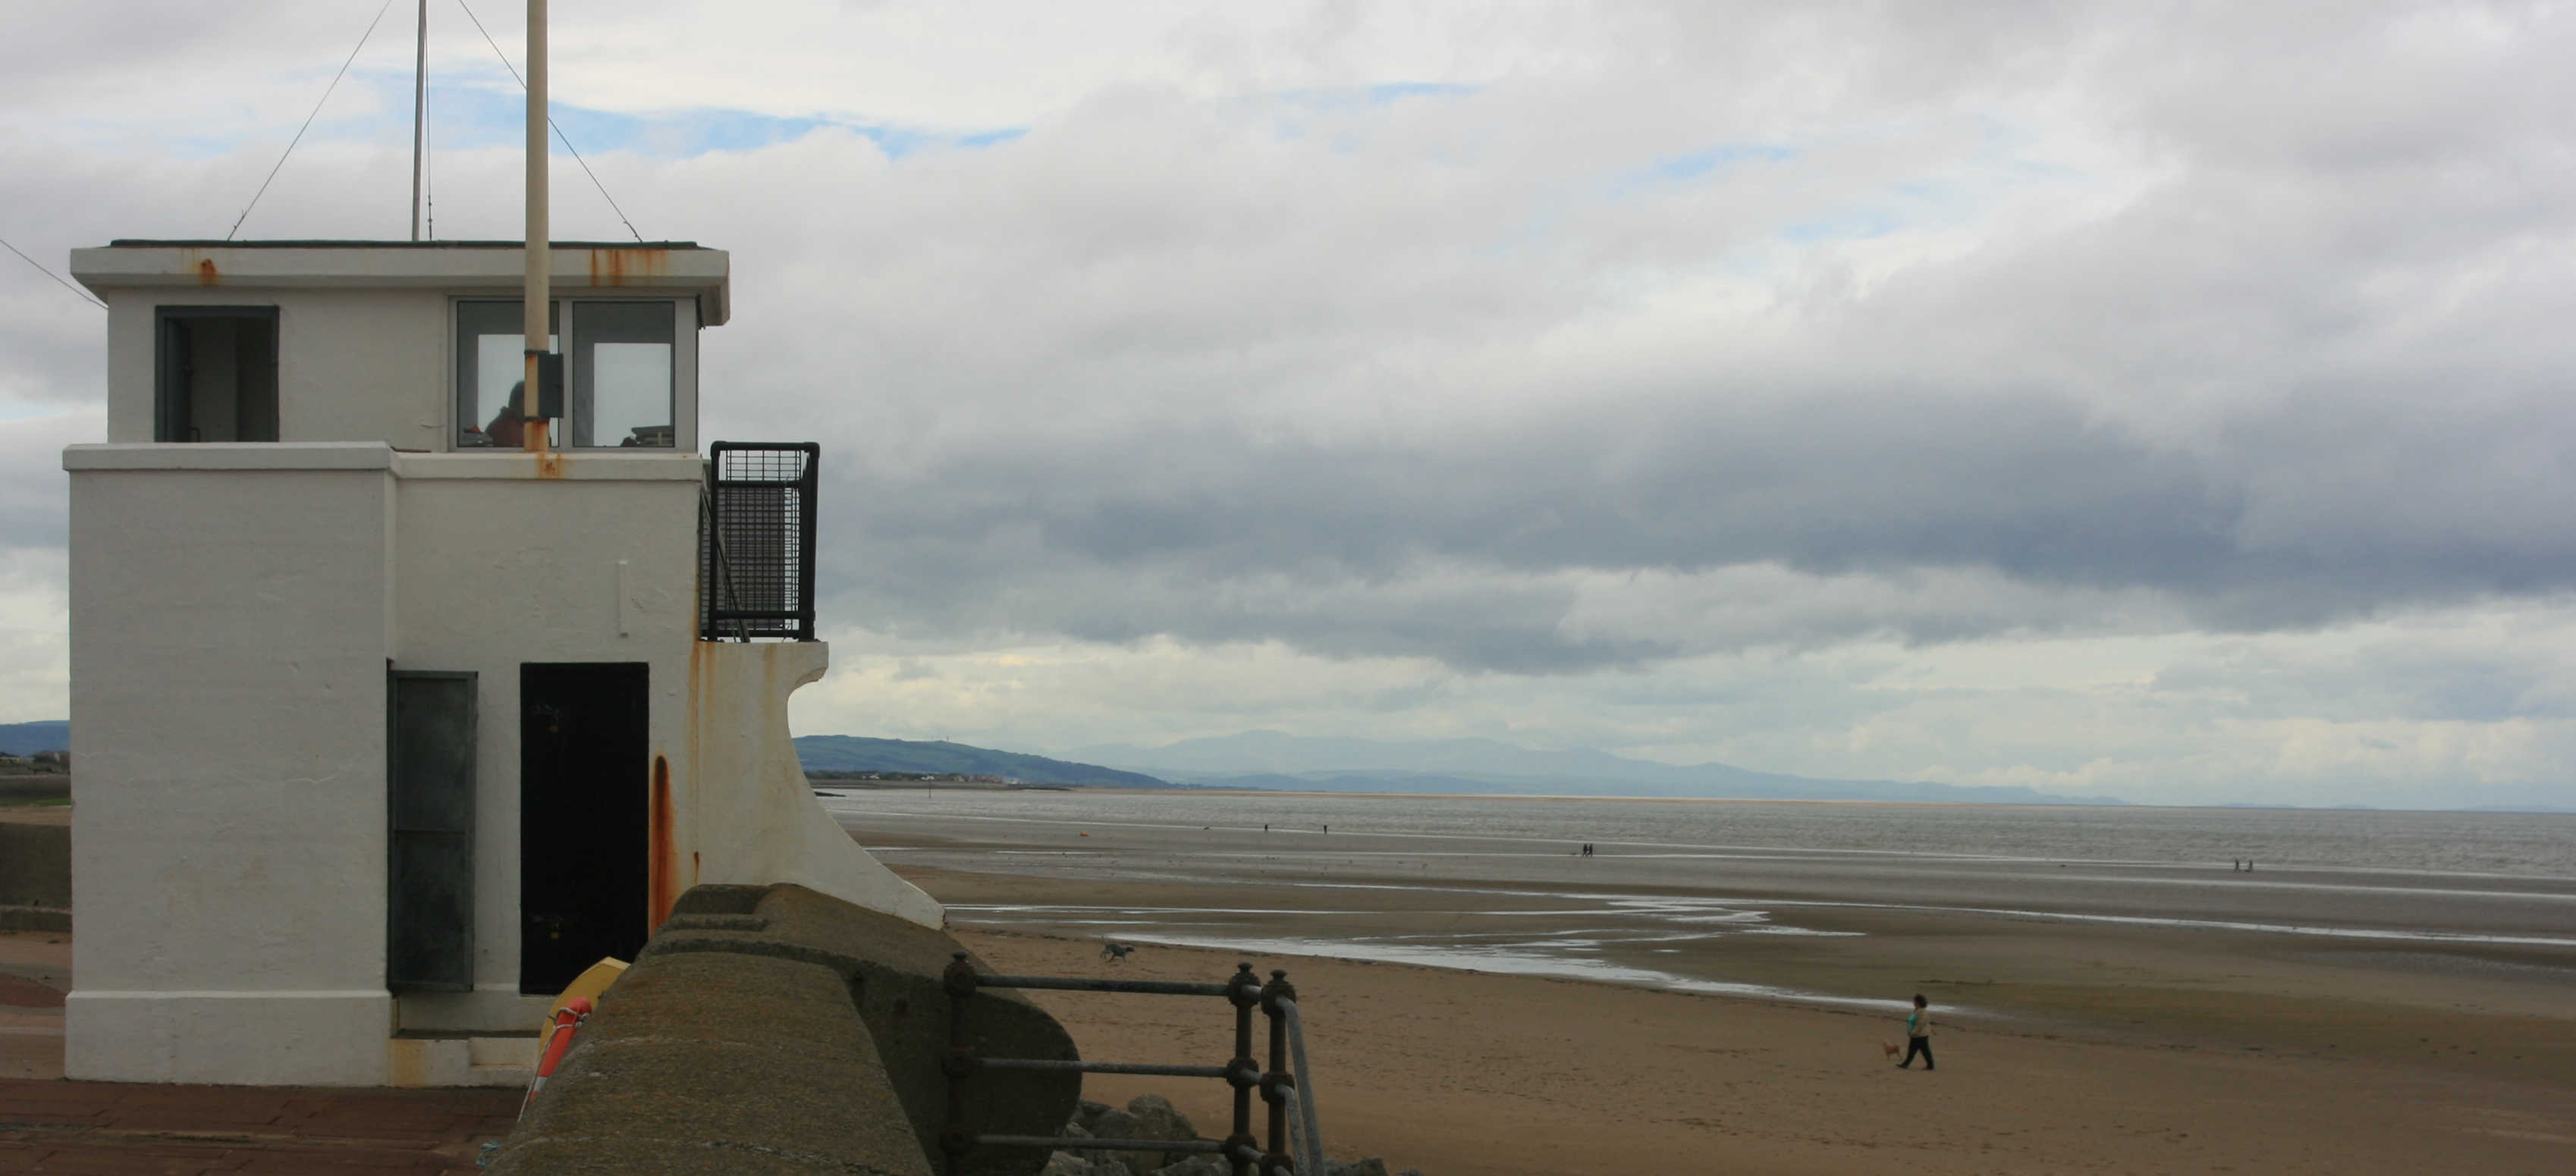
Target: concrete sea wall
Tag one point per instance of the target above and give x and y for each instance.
(778, 1030)
(35, 877)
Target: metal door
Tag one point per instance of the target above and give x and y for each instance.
(429, 781)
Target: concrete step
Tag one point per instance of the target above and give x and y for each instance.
(458, 1059)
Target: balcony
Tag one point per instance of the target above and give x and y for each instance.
(756, 540)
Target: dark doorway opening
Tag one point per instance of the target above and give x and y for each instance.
(217, 378)
(584, 818)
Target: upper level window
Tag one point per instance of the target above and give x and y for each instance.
(621, 374)
(491, 357)
(618, 375)
(217, 374)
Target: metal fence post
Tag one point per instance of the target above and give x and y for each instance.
(1275, 1158)
(1294, 1146)
(1243, 1073)
(959, 981)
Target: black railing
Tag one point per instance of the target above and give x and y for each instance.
(756, 540)
(1284, 1086)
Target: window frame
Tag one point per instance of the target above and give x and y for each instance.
(165, 410)
(563, 313)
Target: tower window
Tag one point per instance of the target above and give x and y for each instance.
(620, 372)
(217, 377)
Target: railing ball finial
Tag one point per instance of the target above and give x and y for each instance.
(959, 978)
(1243, 988)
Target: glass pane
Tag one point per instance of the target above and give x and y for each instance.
(621, 374)
(491, 356)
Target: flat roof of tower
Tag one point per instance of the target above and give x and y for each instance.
(661, 267)
(328, 243)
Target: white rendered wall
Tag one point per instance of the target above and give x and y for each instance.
(500, 566)
(352, 365)
(235, 610)
(365, 331)
(228, 637)
(754, 818)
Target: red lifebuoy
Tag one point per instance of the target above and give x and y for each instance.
(568, 1021)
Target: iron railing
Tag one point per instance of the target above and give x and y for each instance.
(756, 541)
(1284, 1086)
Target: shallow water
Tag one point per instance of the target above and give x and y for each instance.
(2516, 844)
(1490, 884)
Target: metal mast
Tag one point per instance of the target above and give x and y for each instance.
(419, 93)
(540, 260)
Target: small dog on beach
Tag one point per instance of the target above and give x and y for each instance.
(1116, 952)
(1889, 1046)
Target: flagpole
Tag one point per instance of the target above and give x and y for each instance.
(540, 261)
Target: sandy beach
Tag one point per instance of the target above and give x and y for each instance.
(2064, 1045)
(2087, 1046)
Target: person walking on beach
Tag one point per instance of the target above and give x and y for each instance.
(1918, 1035)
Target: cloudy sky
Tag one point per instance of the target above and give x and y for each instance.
(2163, 401)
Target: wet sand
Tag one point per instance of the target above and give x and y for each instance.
(1563, 1034)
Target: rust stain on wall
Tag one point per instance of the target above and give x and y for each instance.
(207, 274)
(628, 267)
(666, 860)
(550, 465)
(404, 1065)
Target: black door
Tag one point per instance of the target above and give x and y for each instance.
(583, 818)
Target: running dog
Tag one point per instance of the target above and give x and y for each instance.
(1116, 952)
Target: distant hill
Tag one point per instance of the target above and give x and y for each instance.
(858, 753)
(30, 738)
(1272, 759)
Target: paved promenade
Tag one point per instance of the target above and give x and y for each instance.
(48, 1125)
(109, 1127)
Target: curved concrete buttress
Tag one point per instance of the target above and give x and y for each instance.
(753, 819)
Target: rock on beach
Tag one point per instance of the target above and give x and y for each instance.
(1151, 1116)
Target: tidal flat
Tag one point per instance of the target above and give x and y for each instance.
(1717, 996)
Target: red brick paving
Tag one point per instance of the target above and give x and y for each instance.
(27, 994)
(129, 1129)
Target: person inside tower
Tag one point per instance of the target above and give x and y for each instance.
(508, 430)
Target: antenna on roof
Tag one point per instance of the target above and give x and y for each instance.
(419, 96)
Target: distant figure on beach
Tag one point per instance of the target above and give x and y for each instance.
(1918, 1034)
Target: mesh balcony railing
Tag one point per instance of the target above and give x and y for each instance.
(756, 541)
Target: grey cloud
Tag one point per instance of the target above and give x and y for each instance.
(33, 510)
(1340, 537)
(1422, 377)
(2430, 677)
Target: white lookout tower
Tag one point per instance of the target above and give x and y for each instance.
(394, 712)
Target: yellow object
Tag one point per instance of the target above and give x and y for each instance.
(592, 981)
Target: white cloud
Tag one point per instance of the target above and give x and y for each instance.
(2167, 402)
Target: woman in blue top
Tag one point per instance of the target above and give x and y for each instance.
(1918, 1034)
